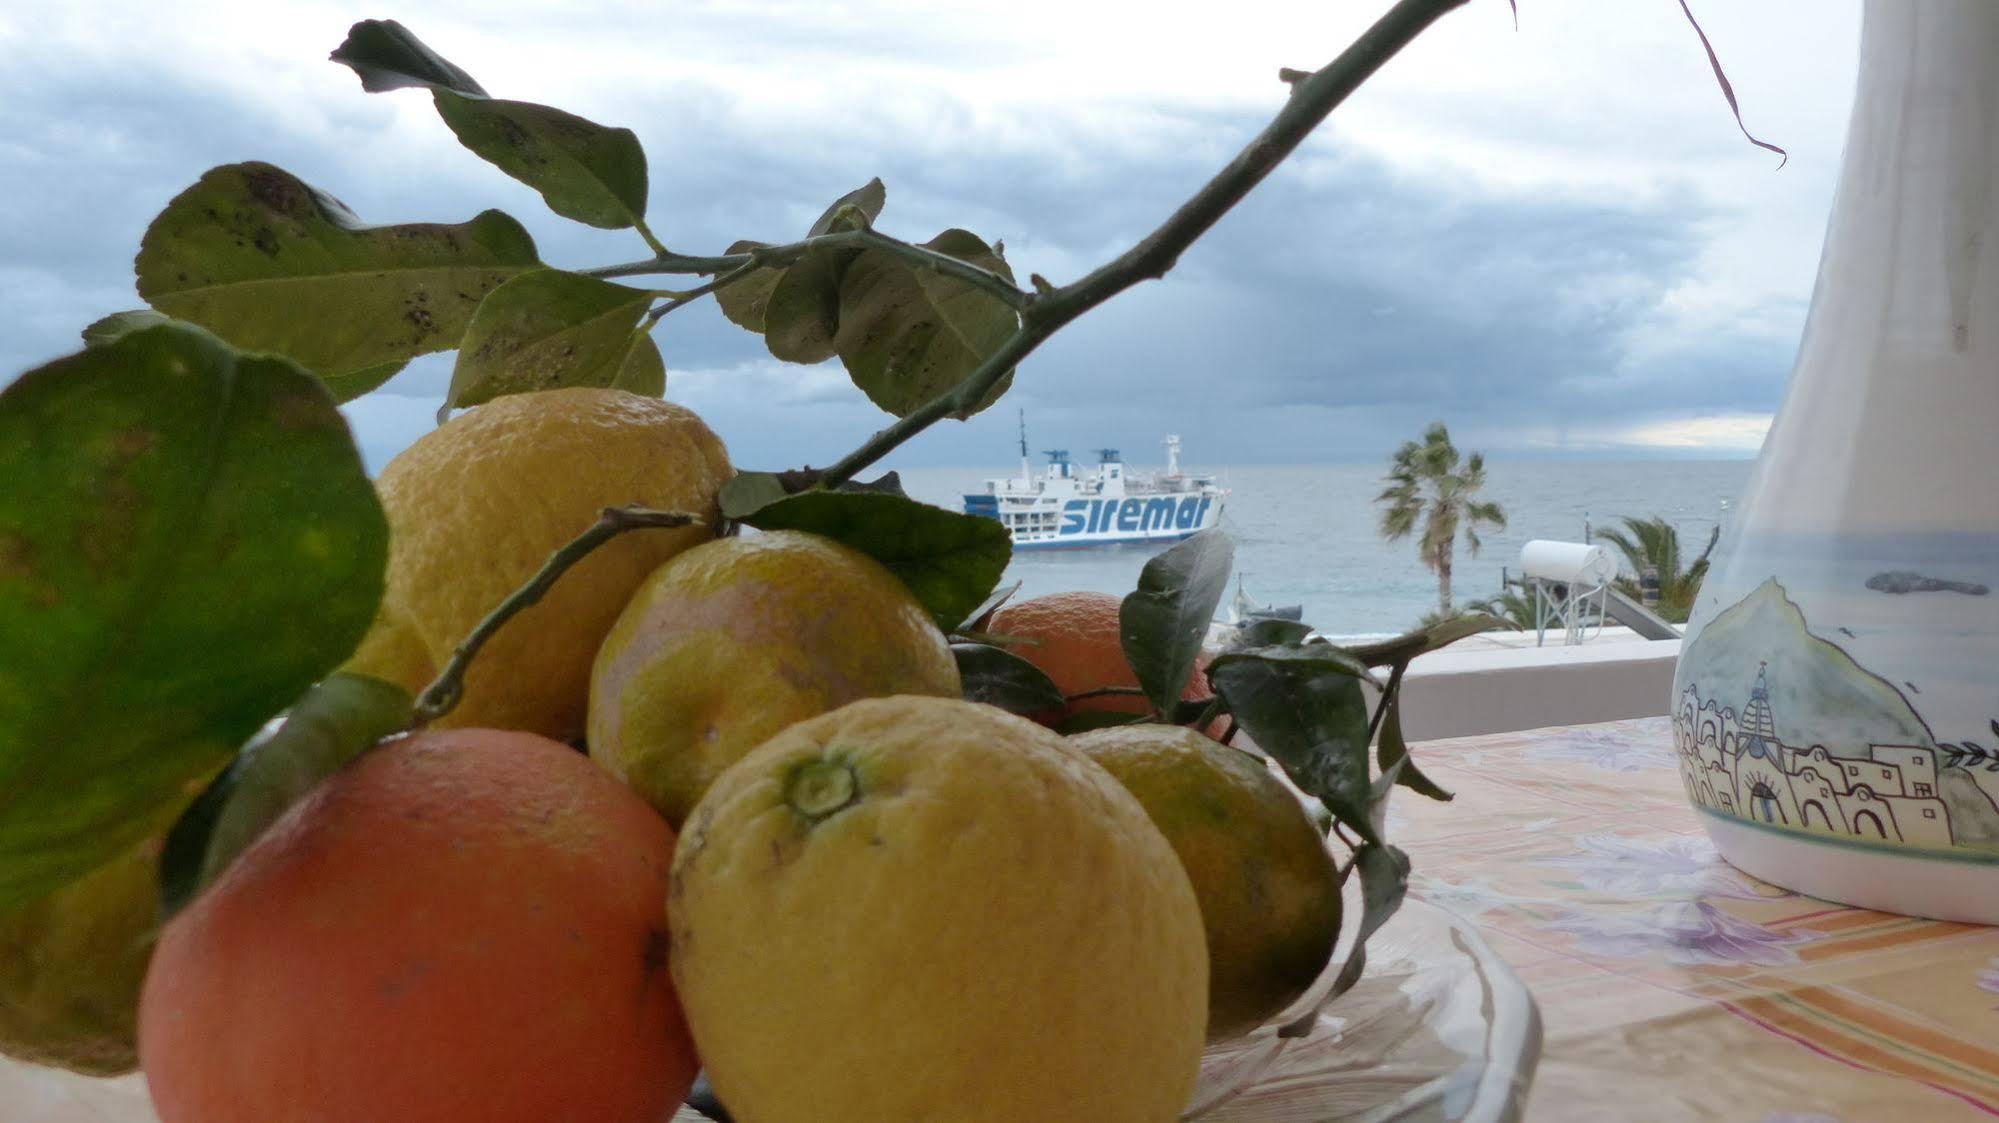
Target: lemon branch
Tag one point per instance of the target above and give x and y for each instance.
(736, 265)
(444, 692)
(1313, 97)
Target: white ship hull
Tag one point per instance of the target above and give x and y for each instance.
(1066, 508)
(1100, 522)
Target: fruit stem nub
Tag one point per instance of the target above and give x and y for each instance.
(819, 788)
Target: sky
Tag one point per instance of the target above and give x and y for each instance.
(1553, 238)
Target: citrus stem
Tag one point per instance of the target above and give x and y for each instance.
(821, 788)
(444, 692)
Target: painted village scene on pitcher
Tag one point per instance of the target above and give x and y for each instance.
(1780, 726)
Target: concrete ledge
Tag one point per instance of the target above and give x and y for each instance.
(1464, 693)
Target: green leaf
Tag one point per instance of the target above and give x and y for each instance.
(352, 384)
(546, 329)
(746, 493)
(1164, 620)
(584, 171)
(802, 315)
(1268, 632)
(336, 719)
(270, 264)
(1404, 648)
(1384, 882)
(857, 208)
(1085, 720)
(977, 619)
(998, 677)
(1302, 704)
(388, 57)
(949, 560)
(345, 386)
(118, 325)
(189, 537)
(907, 334)
(796, 308)
(643, 371)
(1391, 753)
(744, 301)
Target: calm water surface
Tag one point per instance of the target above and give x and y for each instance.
(1305, 534)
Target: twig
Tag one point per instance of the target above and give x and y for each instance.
(668, 262)
(1105, 692)
(1388, 694)
(1312, 99)
(864, 238)
(701, 290)
(444, 692)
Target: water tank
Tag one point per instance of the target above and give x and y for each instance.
(1571, 563)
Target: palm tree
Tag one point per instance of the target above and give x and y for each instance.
(1427, 485)
(1515, 608)
(1656, 542)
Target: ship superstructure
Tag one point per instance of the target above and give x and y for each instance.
(1066, 506)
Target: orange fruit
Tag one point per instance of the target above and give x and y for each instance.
(457, 927)
(1074, 639)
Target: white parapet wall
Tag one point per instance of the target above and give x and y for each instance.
(1460, 693)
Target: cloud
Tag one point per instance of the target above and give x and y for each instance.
(1469, 240)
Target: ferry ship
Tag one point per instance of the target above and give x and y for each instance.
(1065, 507)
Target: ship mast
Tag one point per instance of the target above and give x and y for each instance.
(1026, 469)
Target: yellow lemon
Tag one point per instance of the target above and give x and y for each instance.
(918, 908)
(734, 640)
(477, 505)
(1269, 889)
(71, 964)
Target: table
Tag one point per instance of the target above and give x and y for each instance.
(1673, 987)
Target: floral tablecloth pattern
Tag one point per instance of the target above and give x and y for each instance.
(1673, 986)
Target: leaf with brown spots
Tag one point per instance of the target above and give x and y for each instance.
(346, 385)
(548, 329)
(268, 263)
(796, 308)
(190, 542)
(592, 173)
(908, 334)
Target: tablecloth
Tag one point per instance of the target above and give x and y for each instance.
(1673, 986)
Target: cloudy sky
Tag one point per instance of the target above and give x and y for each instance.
(1552, 238)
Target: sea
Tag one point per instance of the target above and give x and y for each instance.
(1306, 534)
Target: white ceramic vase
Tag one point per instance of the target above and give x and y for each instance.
(1836, 695)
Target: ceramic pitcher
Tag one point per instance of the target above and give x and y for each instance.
(1835, 703)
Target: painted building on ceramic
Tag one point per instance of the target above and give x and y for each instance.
(1738, 766)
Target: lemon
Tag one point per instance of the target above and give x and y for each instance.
(477, 505)
(733, 640)
(1268, 887)
(71, 964)
(927, 909)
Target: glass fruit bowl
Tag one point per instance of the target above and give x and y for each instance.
(1438, 1029)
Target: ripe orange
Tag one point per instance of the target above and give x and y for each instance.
(458, 927)
(1073, 638)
